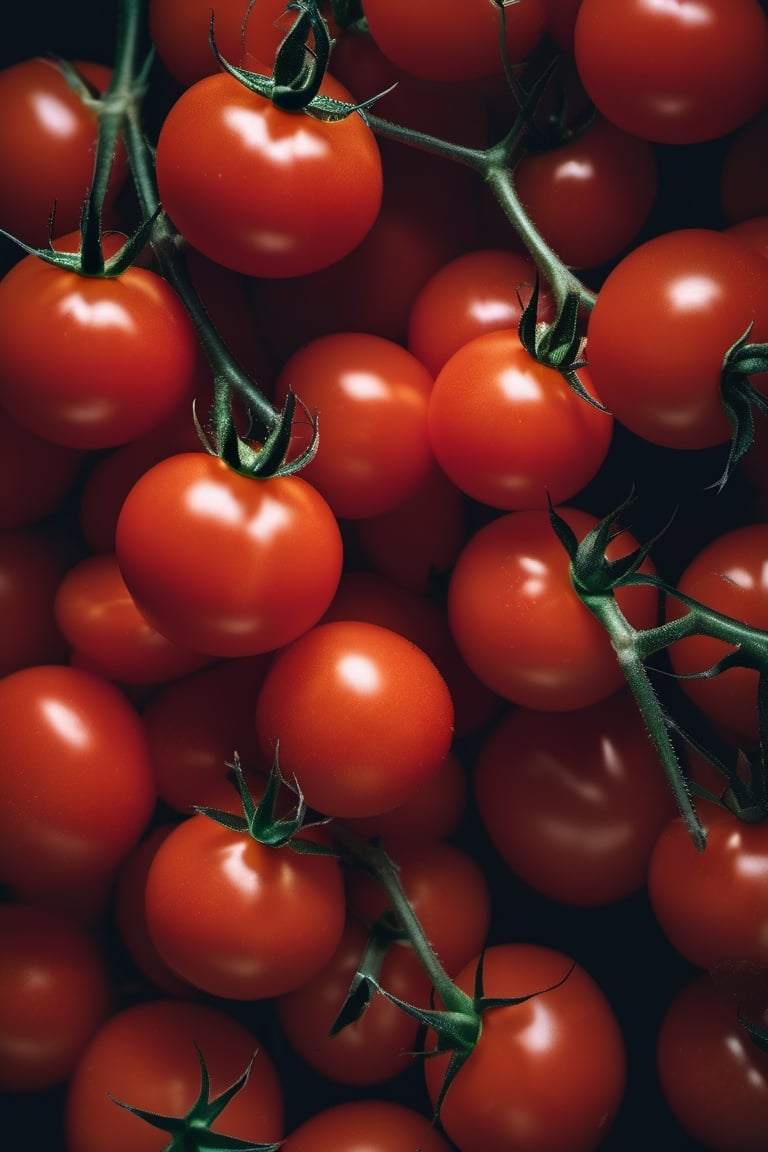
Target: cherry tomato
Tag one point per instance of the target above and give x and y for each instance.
(743, 171)
(674, 73)
(223, 563)
(32, 563)
(433, 812)
(379, 1125)
(220, 141)
(361, 717)
(36, 476)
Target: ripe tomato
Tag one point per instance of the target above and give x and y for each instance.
(434, 812)
(712, 905)
(371, 398)
(674, 73)
(145, 1055)
(240, 919)
(76, 788)
(713, 1077)
(377, 1125)
(47, 140)
(743, 171)
(36, 476)
(508, 430)
(545, 1074)
(453, 41)
(730, 574)
(362, 717)
(574, 808)
(32, 563)
(233, 171)
(223, 563)
(665, 317)
(130, 329)
(54, 994)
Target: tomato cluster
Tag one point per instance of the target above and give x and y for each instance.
(382, 515)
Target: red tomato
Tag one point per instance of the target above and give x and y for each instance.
(226, 564)
(510, 431)
(131, 327)
(76, 788)
(32, 563)
(54, 994)
(378, 1125)
(712, 905)
(602, 181)
(145, 1055)
(674, 73)
(458, 40)
(743, 172)
(36, 476)
(47, 140)
(730, 574)
(545, 1074)
(561, 22)
(371, 398)
(434, 812)
(240, 919)
(362, 717)
(714, 1078)
(574, 808)
(664, 319)
(753, 232)
(520, 625)
(220, 141)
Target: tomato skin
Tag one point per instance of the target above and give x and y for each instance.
(54, 994)
(35, 475)
(32, 563)
(432, 813)
(518, 622)
(509, 431)
(233, 172)
(76, 787)
(377, 1125)
(239, 919)
(145, 1055)
(362, 716)
(665, 317)
(131, 326)
(673, 73)
(712, 905)
(223, 563)
(713, 1077)
(534, 1081)
(743, 171)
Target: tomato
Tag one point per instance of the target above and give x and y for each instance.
(665, 317)
(76, 788)
(753, 232)
(130, 329)
(54, 994)
(453, 41)
(730, 575)
(381, 1125)
(371, 398)
(36, 476)
(47, 140)
(545, 1074)
(520, 625)
(223, 563)
(145, 1055)
(602, 180)
(32, 563)
(221, 143)
(677, 73)
(714, 1078)
(712, 905)
(561, 22)
(743, 171)
(240, 919)
(362, 717)
(509, 430)
(377, 1046)
(477, 292)
(575, 808)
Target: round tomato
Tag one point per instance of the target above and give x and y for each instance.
(713, 905)
(361, 718)
(376, 1125)
(240, 919)
(223, 563)
(130, 330)
(677, 73)
(548, 1073)
(261, 190)
(744, 170)
(664, 319)
(520, 625)
(32, 563)
(76, 787)
(510, 431)
(147, 1055)
(371, 397)
(36, 476)
(574, 808)
(54, 994)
